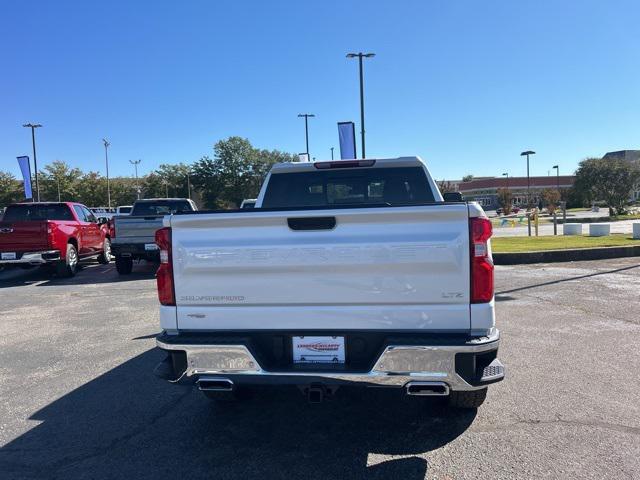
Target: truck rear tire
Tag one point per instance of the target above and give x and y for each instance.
(105, 256)
(69, 266)
(124, 265)
(470, 399)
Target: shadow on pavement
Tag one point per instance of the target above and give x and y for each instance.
(128, 424)
(89, 273)
(501, 296)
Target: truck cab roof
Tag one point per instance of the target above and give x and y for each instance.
(355, 163)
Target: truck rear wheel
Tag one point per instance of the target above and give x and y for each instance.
(124, 265)
(470, 399)
(69, 266)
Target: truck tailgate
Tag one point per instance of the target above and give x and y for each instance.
(130, 229)
(386, 268)
(23, 236)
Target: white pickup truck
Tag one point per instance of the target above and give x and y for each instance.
(346, 273)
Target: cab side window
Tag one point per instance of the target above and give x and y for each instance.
(80, 213)
(89, 217)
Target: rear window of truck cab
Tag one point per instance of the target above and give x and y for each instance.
(161, 207)
(370, 186)
(32, 213)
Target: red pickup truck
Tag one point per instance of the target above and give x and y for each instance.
(59, 234)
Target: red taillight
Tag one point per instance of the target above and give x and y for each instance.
(164, 275)
(50, 229)
(481, 262)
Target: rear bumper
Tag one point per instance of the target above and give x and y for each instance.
(470, 364)
(137, 250)
(33, 258)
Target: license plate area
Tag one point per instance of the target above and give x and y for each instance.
(8, 256)
(318, 349)
(149, 247)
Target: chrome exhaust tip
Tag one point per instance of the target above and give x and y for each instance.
(213, 384)
(427, 389)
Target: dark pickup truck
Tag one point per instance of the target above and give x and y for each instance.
(134, 234)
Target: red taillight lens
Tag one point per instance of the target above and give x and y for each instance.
(164, 275)
(481, 262)
(50, 239)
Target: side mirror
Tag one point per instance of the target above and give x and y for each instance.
(452, 197)
(103, 220)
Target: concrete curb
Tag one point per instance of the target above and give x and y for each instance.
(549, 256)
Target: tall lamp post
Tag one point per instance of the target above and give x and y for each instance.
(555, 221)
(135, 164)
(331, 153)
(33, 127)
(106, 162)
(306, 127)
(527, 153)
(360, 56)
(188, 185)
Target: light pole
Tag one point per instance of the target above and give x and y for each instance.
(166, 188)
(557, 177)
(527, 153)
(306, 127)
(506, 174)
(58, 182)
(188, 186)
(33, 127)
(106, 162)
(135, 164)
(555, 217)
(360, 56)
(331, 153)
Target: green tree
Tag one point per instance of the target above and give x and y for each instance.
(236, 172)
(167, 180)
(10, 189)
(609, 180)
(505, 200)
(92, 190)
(123, 191)
(59, 176)
(467, 178)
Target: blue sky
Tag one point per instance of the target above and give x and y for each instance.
(467, 85)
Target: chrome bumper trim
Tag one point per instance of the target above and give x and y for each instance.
(34, 258)
(396, 366)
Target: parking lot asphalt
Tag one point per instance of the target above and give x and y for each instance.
(78, 399)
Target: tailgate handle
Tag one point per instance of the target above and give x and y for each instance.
(312, 223)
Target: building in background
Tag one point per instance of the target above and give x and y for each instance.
(632, 156)
(485, 190)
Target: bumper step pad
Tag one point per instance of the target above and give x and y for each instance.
(493, 371)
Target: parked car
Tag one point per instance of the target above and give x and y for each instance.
(134, 234)
(124, 210)
(59, 234)
(103, 212)
(355, 272)
(248, 203)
